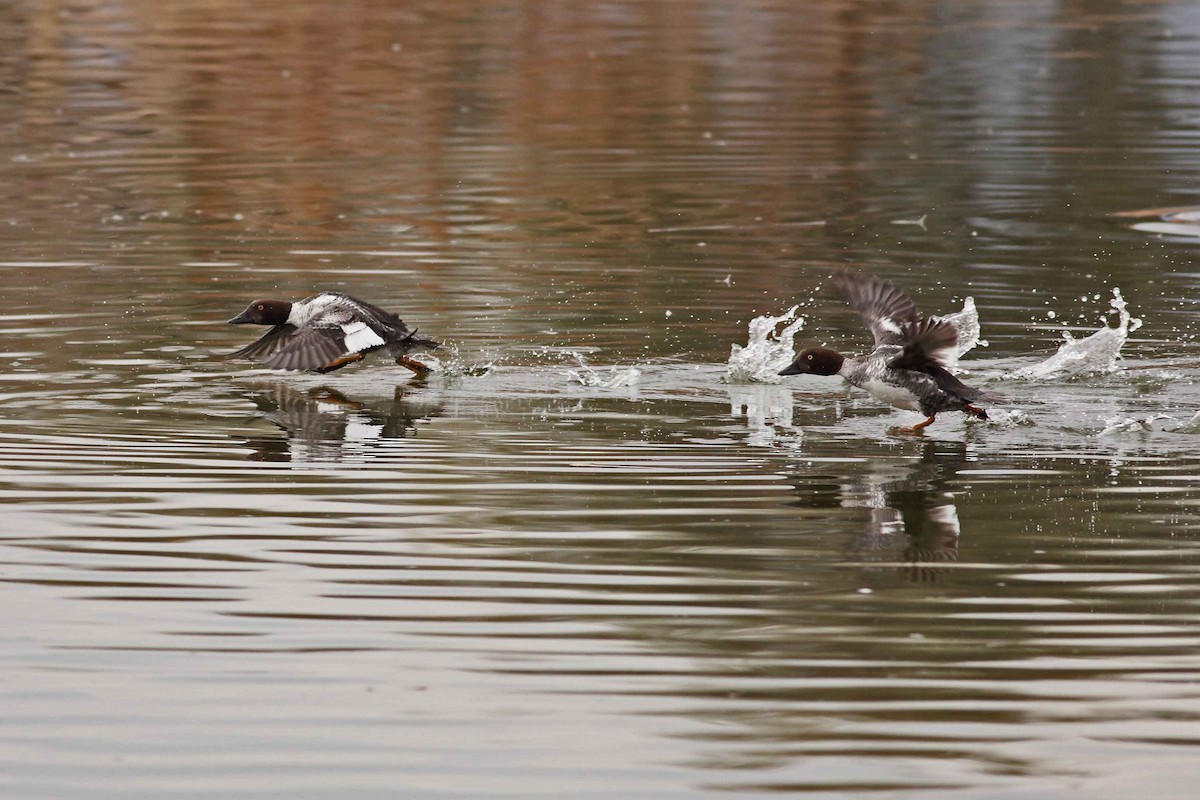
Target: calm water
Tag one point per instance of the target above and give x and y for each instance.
(578, 562)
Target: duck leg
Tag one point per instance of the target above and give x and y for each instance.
(975, 411)
(414, 365)
(338, 363)
(920, 426)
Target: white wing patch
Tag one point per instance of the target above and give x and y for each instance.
(359, 336)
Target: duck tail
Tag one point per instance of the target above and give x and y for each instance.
(412, 340)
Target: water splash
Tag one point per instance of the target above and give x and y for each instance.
(1154, 422)
(1096, 353)
(614, 378)
(766, 352)
(1007, 418)
(966, 323)
(1191, 426)
(455, 364)
(434, 363)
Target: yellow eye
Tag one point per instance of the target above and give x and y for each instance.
(260, 308)
(809, 355)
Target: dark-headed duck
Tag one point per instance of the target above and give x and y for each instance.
(326, 332)
(908, 368)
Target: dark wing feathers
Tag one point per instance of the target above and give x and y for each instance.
(928, 343)
(284, 347)
(952, 385)
(391, 328)
(884, 308)
(926, 340)
(309, 348)
(408, 338)
(267, 345)
(377, 313)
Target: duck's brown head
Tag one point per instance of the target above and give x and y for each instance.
(815, 361)
(264, 312)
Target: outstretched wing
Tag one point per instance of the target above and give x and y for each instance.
(884, 308)
(309, 348)
(929, 347)
(313, 347)
(932, 340)
(267, 345)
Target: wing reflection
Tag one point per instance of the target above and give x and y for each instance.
(322, 423)
(911, 515)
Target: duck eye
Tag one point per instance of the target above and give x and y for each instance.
(810, 356)
(260, 308)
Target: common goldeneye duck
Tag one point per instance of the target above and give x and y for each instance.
(326, 332)
(910, 366)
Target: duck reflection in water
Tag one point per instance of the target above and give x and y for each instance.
(323, 424)
(911, 515)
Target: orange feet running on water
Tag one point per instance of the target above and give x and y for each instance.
(413, 364)
(338, 363)
(975, 411)
(920, 426)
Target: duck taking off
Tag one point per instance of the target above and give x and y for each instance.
(909, 367)
(326, 332)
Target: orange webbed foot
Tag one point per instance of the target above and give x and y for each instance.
(338, 363)
(416, 366)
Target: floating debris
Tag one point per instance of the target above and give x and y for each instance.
(1173, 221)
(1169, 228)
(919, 221)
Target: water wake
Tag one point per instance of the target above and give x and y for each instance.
(1149, 424)
(1096, 353)
(614, 378)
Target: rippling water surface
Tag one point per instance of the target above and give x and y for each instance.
(592, 556)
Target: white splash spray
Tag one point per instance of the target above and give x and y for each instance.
(966, 322)
(614, 378)
(1149, 424)
(766, 352)
(1191, 426)
(1096, 353)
